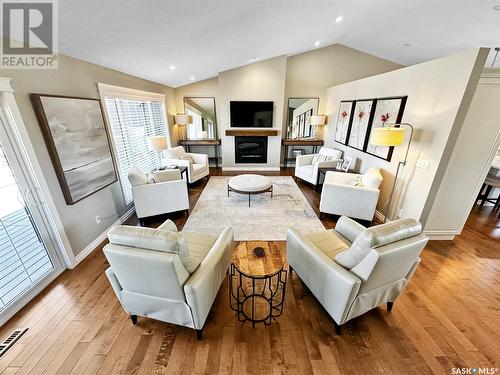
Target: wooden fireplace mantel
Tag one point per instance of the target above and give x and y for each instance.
(252, 132)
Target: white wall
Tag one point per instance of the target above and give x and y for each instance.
(469, 163)
(435, 91)
(260, 81)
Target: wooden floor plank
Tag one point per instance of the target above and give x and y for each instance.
(447, 317)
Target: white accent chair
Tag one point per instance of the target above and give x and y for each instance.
(351, 269)
(168, 193)
(306, 166)
(351, 194)
(197, 164)
(167, 275)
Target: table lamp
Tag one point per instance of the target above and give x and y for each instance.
(181, 120)
(157, 143)
(392, 135)
(317, 120)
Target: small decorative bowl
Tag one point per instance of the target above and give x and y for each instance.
(259, 252)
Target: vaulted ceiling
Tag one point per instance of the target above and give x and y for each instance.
(203, 37)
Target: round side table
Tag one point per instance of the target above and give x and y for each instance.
(257, 284)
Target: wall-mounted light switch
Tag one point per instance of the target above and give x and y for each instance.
(423, 164)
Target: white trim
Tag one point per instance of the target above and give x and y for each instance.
(489, 78)
(263, 169)
(125, 92)
(48, 206)
(94, 244)
(441, 235)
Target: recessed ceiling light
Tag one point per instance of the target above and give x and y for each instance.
(253, 59)
(317, 43)
(339, 19)
(191, 78)
(171, 67)
(407, 44)
(496, 7)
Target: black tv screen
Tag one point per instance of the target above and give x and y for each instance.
(251, 114)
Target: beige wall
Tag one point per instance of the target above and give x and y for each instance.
(77, 78)
(439, 92)
(471, 157)
(307, 74)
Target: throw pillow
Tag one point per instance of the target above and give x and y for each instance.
(187, 157)
(152, 179)
(136, 176)
(168, 225)
(372, 178)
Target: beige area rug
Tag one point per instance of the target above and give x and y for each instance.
(267, 218)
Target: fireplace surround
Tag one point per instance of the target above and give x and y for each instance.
(250, 149)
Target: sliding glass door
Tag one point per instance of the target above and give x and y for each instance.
(27, 256)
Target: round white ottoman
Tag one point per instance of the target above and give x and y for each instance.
(249, 184)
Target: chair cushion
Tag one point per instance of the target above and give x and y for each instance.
(329, 242)
(164, 176)
(376, 236)
(199, 245)
(372, 178)
(157, 240)
(306, 169)
(136, 176)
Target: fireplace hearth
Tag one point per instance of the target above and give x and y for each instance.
(250, 149)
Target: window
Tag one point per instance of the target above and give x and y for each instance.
(132, 121)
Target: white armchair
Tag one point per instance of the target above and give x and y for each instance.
(197, 164)
(351, 194)
(351, 269)
(306, 166)
(164, 192)
(167, 275)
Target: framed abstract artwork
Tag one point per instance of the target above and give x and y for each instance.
(387, 111)
(78, 144)
(344, 119)
(360, 125)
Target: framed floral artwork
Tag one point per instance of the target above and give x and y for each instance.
(360, 125)
(344, 118)
(387, 111)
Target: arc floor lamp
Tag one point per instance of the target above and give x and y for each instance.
(392, 135)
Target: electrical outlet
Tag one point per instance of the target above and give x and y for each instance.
(423, 164)
(97, 219)
(400, 213)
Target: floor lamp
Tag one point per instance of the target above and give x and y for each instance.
(392, 135)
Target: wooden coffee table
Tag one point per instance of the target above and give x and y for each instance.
(257, 284)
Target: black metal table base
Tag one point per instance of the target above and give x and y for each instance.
(250, 193)
(240, 295)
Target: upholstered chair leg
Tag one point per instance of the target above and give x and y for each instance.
(134, 319)
(389, 306)
(290, 270)
(141, 222)
(199, 334)
(337, 327)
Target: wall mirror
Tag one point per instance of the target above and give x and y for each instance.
(204, 124)
(299, 111)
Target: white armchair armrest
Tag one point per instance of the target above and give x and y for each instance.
(203, 285)
(304, 160)
(199, 158)
(334, 286)
(168, 175)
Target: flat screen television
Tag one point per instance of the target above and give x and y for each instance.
(251, 114)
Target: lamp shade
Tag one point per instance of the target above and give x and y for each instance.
(317, 120)
(387, 136)
(183, 119)
(157, 143)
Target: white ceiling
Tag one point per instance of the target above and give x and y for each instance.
(204, 37)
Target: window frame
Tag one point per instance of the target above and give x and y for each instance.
(119, 92)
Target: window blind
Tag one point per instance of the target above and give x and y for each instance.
(132, 121)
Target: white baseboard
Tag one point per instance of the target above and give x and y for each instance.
(262, 169)
(441, 235)
(91, 247)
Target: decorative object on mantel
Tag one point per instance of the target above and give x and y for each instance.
(363, 114)
(344, 119)
(315, 121)
(182, 120)
(390, 136)
(78, 144)
(157, 143)
(387, 110)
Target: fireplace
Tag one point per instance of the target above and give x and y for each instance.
(250, 149)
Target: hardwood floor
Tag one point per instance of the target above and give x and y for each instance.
(447, 317)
